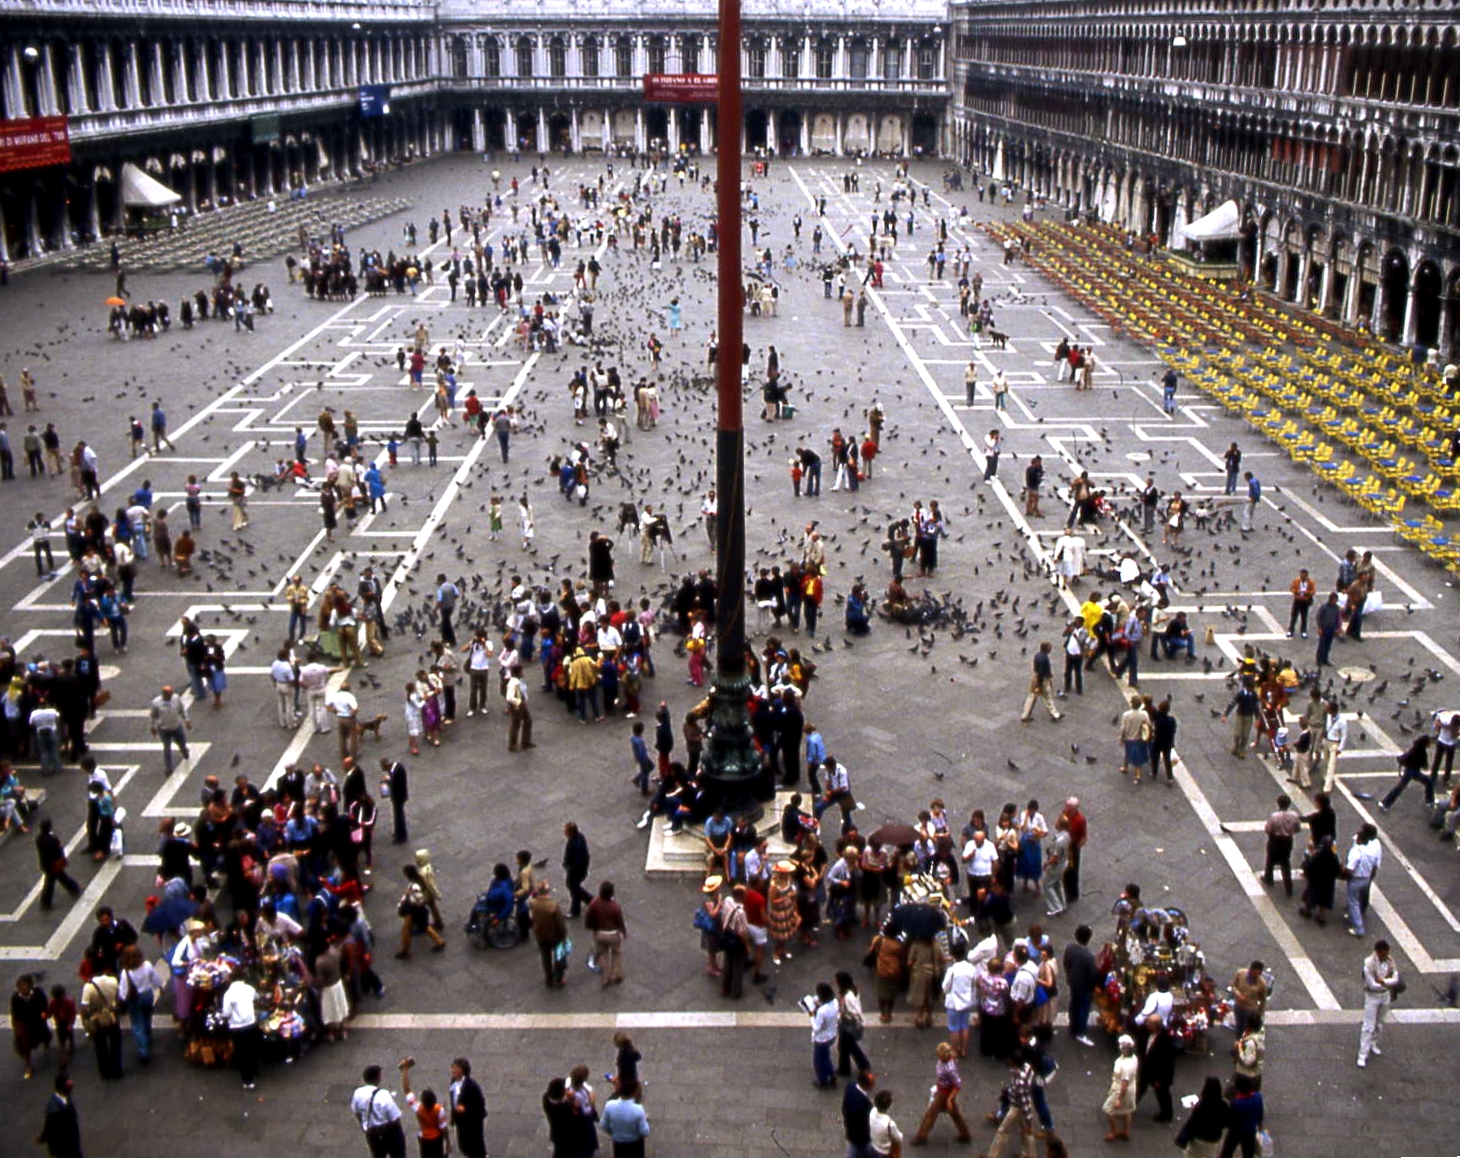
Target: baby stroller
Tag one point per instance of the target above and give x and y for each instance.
(488, 931)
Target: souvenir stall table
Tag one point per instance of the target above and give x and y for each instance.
(1150, 946)
(286, 1016)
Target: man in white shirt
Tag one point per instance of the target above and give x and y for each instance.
(958, 997)
(519, 715)
(1364, 857)
(1447, 729)
(379, 1117)
(243, 1028)
(1024, 986)
(886, 1137)
(1381, 977)
(345, 708)
(980, 856)
(1335, 739)
(45, 722)
(286, 679)
(1159, 1003)
(314, 679)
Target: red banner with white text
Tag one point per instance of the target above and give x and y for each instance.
(33, 142)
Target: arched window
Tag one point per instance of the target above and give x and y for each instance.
(492, 57)
(524, 57)
(755, 59)
(623, 58)
(458, 58)
(658, 51)
(825, 59)
(589, 53)
(557, 58)
(690, 54)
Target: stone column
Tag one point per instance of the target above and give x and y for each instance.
(840, 129)
(49, 91)
(131, 82)
(640, 142)
(805, 134)
(159, 88)
(607, 123)
(4, 246)
(1411, 314)
(14, 86)
(1325, 288)
(512, 139)
(542, 130)
(673, 130)
(478, 132)
(705, 142)
(203, 71)
(93, 208)
(839, 59)
(575, 132)
(77, 80)
(106, 91)
(34, 244)
(180, 72)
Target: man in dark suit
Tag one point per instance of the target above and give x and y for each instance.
(857, 1116)
(575, 867)
(1158, 1065)
(61, 1135)
(468, 1110)
(400, 792)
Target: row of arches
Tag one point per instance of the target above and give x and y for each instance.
(61, 207)
(1317, 258)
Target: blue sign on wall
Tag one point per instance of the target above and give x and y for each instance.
(374, 100)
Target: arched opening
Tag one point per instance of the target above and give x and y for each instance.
(656, 129)
(925, 134)
(690, 120)
(1427, 305)
(788, 133)
(1396, 292)
(494, 122)
(560, 132)
(757, 128)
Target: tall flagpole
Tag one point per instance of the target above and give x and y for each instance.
(730, 762)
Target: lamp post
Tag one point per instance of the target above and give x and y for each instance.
(730, 763)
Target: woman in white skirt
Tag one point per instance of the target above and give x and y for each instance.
(415, 725)
(1120, 1103)
(329, 983)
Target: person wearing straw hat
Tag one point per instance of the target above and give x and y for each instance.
(709, 923)
(782, 917)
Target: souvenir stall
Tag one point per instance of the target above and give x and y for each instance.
(287, 1019)
(1154, 946)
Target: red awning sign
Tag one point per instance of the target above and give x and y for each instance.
(33, 142)
(684, 88)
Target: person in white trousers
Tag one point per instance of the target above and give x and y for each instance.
(1381, 977)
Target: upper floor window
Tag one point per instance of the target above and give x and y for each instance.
(524, 57)
(755, 60)
(892, 62)
(589, 53)
(657, 55)
(825, 59)
(557, 58)
(492, 57)
(857, 63)
(690, 54)
(790, 61)
(927, 62)
(458, 58)
(623, 53)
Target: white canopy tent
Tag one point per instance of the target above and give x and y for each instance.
(1224, 223)
(139, 191)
